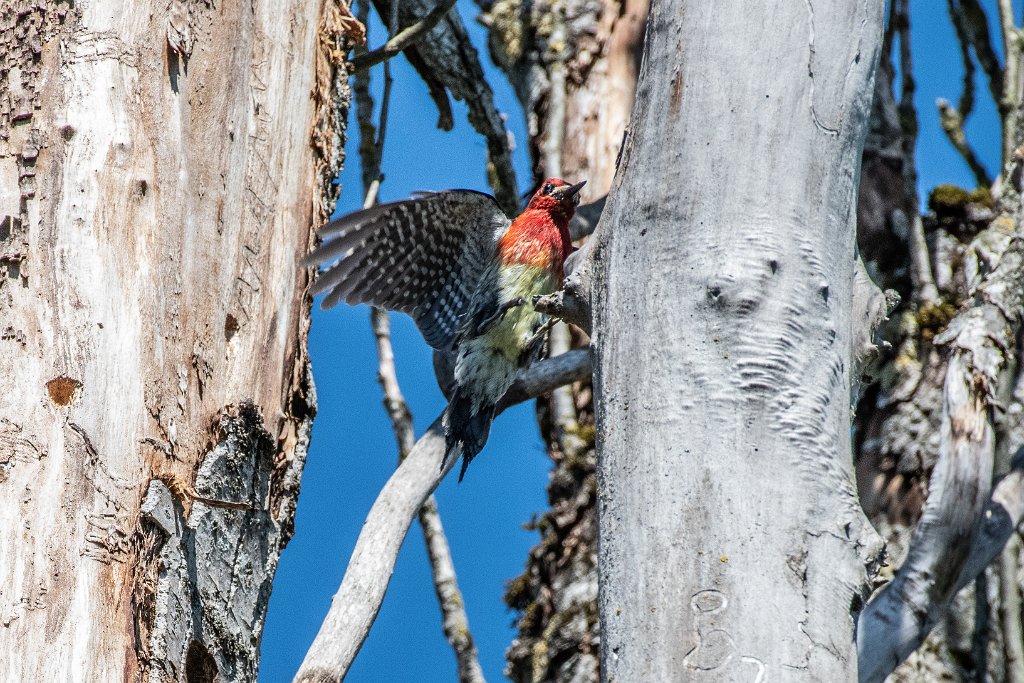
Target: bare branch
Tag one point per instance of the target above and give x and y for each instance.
(925, 291)
(563, 403)
(1001, 517)
(1011, 78)
(394, 401)
(447, 59)
(358, 600)
(971, 26)
(403, 39)
(956, 15)
(453, 614)
(953, 126)
(564, 305)
(454, 620)
(897, 620)
(1010, 610)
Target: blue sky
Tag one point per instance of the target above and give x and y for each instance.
(353, 450)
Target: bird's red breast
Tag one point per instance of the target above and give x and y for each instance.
(536, 238)
(540, 235)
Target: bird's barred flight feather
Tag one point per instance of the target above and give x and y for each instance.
(424, 256)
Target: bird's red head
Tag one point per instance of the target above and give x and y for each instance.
(557, 196)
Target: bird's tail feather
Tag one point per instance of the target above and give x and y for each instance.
(465, 431)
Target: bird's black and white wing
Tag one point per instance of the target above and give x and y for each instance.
(422, 256)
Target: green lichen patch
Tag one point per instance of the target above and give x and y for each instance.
(933, 318)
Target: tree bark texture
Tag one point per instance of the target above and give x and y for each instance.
(731, 542)
(898, 420)
(162, 168)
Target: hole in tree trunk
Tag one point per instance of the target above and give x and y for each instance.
(200, 666)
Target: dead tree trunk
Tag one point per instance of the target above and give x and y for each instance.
(162, 166)
(731, 539)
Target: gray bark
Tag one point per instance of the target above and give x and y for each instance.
(731, 542)
(162, 167)
(982, 338)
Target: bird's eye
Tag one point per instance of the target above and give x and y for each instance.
(548, 188)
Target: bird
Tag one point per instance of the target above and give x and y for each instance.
(467, 274)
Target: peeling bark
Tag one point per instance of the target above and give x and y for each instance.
(162, 167)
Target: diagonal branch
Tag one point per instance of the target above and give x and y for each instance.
(403, 39)
(454, 620)
(358, 600)
(953, 126)
(997, 523)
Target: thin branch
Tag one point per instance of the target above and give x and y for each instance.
(403, 39)
(449, 60)
(956, 15)
(454, 620)
(370, 164)
(975, 28)
(1011, 94)
(925, 291)
(953, 125)
(982, 623)
(942, 547)
(394, 401)
(358, 600)
(563, 403)
(888, 38)
(1010, 610)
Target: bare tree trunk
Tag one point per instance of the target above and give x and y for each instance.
(162, 166)
(731, 539)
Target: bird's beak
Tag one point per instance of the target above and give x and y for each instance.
(575, 189)
(571, 193)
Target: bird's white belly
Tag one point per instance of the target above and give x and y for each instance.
(487, 364)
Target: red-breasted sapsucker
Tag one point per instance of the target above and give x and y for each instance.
(466, 274)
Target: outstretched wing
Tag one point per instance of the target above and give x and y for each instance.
(422, 256)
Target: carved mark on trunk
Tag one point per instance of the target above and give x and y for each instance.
(17, 447)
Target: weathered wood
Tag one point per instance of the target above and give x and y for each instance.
(162, 167)
(731, 542)
(981, 339)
